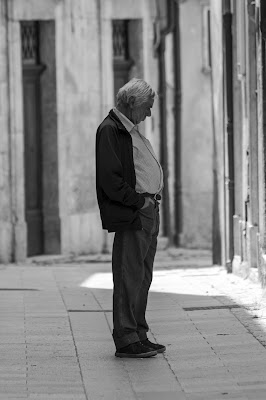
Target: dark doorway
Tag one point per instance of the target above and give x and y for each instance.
(32, 71)
(121, 60)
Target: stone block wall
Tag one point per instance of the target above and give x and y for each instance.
(6, 234)
(77, 93)
(197, 135)
(78, 105)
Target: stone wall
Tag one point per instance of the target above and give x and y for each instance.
(78, 105)
(197, 139)
(77, 93)
(6, 233)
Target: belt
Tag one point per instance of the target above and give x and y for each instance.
(153, 196)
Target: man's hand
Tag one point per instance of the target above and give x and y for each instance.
(148, 201)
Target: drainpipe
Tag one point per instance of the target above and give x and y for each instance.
(261, 15)
(228, 53)
(177, 136)
(167, 231)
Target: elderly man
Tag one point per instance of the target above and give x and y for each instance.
(129, 181)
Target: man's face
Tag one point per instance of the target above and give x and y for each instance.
(140, 113)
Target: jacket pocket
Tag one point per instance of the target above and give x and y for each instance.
(118, 214)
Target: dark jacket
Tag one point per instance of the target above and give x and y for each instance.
(115, 177)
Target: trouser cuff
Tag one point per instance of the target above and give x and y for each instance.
(125, 340)
(142, 335)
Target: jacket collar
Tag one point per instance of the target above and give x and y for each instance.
(125, 121)
(115, 118)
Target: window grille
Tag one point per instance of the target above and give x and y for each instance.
(30, 42)
(120, 39)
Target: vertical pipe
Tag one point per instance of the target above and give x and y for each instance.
(177, 136)
(163, 129)
(227, 24)
(167, 231)
(263, 67)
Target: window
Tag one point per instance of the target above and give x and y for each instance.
(206, 39)
(120, 40)
(241, 39)
(30, 42)
(121, 59)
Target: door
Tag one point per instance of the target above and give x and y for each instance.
(121, 60)
(32, 137)
(33, 159)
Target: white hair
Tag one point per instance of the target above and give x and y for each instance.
(138, 88)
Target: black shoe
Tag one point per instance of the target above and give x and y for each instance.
(135, 350)
(154, 346)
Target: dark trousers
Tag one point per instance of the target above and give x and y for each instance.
(132, 265)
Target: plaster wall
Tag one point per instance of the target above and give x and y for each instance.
(170, 112)
(78, 108)
(83, 76)
(261, 154)
(14, 131)
(5, 193)
(197, 140)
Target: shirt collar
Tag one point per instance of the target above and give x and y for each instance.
(125, 121)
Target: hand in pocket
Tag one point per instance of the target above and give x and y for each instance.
(148, 201)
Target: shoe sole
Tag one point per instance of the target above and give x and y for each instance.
(141, 355)
(161, 350)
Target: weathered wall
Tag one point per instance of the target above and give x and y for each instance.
(78, 96)
(170, 119)
(197, 140)
(82, 75)
(78, 93)
(5, 194)
(14, 132)
(78, 105)
(261, 156)
(218, 112)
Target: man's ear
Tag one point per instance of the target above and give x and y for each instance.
(131, 101)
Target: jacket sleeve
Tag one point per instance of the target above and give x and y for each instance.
(110, 170)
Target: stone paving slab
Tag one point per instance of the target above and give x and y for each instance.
(221, 395)
(58, 396)
(165, 395)
(56, 343)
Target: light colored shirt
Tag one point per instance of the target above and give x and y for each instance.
(149, 174)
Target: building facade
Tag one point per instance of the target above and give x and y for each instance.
(61, 63)
(238, 36)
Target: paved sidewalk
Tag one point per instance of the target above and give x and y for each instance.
(56, 322)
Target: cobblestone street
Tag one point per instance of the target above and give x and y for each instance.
(56, 322)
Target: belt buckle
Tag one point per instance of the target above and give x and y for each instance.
(157, 197)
